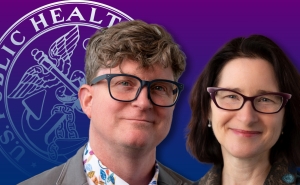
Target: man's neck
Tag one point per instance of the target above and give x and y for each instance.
(134, 166)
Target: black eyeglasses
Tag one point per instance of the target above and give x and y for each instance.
(268, 103)
(126, 88)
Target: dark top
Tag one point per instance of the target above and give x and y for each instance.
(280, 174)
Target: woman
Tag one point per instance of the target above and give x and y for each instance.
(245, 115)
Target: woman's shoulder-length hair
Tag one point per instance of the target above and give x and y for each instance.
(201, 142)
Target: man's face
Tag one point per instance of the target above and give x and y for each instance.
(134, 125)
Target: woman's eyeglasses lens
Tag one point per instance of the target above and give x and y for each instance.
(267, 103)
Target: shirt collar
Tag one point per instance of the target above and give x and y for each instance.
(97, 173)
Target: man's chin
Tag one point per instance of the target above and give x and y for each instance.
(139, 143)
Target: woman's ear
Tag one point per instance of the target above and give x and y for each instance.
(209, 115)
(85, 96)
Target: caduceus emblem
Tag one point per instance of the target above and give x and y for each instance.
(52, 71)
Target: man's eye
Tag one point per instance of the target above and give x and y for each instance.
(123, 83)
(159, 88)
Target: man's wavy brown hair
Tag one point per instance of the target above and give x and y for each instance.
(147, 44)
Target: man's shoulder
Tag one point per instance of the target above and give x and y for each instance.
(69, 172)
(47, 177)
(170, 177)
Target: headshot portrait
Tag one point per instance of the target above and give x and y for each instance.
(245, 117)
(132, 70)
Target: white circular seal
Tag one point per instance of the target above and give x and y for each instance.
(41, 69)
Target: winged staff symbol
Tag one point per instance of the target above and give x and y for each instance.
(52, 71)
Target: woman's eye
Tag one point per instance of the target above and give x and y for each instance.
(231, 96)
(262, 99)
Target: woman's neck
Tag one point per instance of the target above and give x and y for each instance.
(245, 171)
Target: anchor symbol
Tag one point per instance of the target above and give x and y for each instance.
(59, 130)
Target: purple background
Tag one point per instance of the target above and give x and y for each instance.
(201, 28)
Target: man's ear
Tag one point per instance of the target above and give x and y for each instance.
(85, 96)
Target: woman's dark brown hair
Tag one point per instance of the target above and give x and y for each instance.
(201, 141)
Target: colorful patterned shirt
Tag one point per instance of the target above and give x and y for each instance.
(98, 174)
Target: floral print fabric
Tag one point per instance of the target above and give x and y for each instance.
(98, 174)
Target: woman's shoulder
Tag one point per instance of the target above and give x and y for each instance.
(281, 171)
(212, 177)
(298, 178)
(284, 172)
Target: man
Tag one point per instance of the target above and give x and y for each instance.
(132, 69)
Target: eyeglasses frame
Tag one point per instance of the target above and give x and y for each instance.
(212, 91)
(143, 83)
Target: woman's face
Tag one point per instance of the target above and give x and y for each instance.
(246, 133)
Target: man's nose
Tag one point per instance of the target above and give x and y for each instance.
(143, 101)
